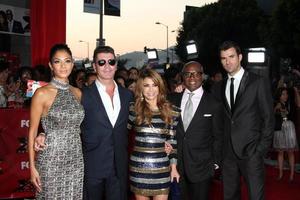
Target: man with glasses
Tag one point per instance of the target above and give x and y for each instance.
(13, 25)
(199, 134)
(104, 131)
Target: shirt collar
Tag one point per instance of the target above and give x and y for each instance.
(197, 92)
(103, 87)
(238, 75)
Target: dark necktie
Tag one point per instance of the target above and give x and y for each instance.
(231, 93)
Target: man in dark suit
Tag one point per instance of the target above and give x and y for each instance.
(248, 125)
(13, 25)
(199, 134)
(104, 131)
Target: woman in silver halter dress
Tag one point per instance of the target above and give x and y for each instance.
(58, 170)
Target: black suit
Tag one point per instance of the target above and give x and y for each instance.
(17, 27)
(248, 131)
(199, 147)
(104, 146)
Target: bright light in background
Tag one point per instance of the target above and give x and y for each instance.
(152, 54)
(256, 57)
(132, 31)
(191, 48)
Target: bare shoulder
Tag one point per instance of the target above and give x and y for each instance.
(44, 96)
(44, 92)
(77, 92)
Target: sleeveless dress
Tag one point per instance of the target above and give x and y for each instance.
(285, 139)
(149, 165)
(60, 165)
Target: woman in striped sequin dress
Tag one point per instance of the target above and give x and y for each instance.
(154, 120)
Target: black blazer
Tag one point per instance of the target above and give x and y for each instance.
(200, 147)
(99, 137)
(17, 27)
(250, 126)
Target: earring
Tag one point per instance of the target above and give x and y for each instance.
(142, 97)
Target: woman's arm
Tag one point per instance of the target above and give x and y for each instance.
(36, 111)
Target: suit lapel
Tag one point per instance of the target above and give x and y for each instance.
(199, 111)
(225, 102)
(122, 104)
(177, 102)
(242, 87)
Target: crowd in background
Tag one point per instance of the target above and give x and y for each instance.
(13, 84)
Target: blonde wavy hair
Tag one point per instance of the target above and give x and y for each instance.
(142, 108)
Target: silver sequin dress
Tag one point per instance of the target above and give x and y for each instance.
(286, 138)
(60, 165)
(149, 167)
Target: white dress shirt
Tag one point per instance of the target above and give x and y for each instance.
(196, 98)
(113, 107)
(236, 83)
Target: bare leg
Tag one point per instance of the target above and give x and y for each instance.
(291, 157)
(280, 159)
(161, 197)
(140, 197)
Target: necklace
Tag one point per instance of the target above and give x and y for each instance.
(60, 84)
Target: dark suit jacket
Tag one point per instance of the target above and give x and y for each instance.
(250, 126)
(104, 146)
(17, 27)
(200, 147)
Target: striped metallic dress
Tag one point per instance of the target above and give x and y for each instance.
(149, 168)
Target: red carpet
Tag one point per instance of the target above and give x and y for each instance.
(275, 190)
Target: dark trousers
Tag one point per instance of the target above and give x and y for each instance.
(105, 188)
(194, 191)
(253, 171)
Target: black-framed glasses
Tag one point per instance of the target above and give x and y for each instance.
(102, 62)
(190, 74)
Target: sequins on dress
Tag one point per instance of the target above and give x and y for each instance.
(60, 165)
(149, 168)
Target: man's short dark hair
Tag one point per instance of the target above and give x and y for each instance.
(103, 49)
(230, 44)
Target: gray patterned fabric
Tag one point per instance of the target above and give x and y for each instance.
(60, 165)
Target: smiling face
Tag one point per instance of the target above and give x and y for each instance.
(106, 71)
(231, 60)
(61, 65)
(192, 76)
(150, 90)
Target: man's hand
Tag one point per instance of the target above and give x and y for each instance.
(39, 142)
(168, 148)
(179, 88)
(174, 173)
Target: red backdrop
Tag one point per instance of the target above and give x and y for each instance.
(48, 26)
(14, 165)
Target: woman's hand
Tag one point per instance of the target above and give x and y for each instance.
(174, 173)
(35, 179)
